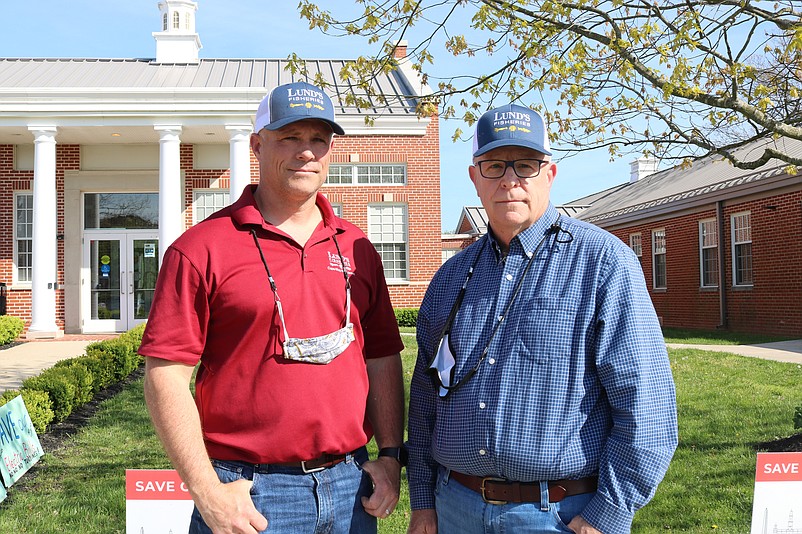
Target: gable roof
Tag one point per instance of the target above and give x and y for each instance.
(707, 179)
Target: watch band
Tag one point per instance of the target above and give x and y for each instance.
(399, 453)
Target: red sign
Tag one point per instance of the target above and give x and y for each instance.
(154, 485)
(779, 467)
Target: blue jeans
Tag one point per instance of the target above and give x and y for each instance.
(297, 503)
(463, 511)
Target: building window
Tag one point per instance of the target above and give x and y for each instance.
(188, 21)
(635, 244)
(207, 201)
(387, 230)
(164, 22)
(338, 209)
(23, 237)
(364, 174)
(449, 253)
(176, 20)
(659, 257)
(708, 252)
(742, 249)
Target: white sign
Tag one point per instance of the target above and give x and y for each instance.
(777, 507)
(156, 502)
(19, 445)
(150, 250)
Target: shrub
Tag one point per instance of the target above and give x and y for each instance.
(406, 316)
(798, 417)
(59, 386)
(134, 336)
(120, 351)
(38, 403)
(10, 328)
(102, 370)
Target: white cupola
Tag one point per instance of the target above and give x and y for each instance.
(177, 42)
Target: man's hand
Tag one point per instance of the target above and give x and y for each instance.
(580, 526)
(228, 509)
(423, 522)
(385, 472)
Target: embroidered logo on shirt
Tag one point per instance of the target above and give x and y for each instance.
(336, 265)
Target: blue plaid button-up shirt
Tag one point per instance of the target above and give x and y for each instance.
(576, 382)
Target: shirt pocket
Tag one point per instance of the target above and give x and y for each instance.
(546, 328)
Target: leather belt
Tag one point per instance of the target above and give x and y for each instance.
(317, 464)
(499, 491)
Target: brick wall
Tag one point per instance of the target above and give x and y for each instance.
(773, 304)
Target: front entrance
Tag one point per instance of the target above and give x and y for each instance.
(118, 289)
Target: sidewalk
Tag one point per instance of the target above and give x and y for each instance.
(780, 351)
(31, 357)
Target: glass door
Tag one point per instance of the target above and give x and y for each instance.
(120, 276)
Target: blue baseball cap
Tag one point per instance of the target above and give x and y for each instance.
(294, 102)
(511, 125)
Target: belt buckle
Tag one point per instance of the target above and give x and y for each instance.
(311, 469)
(482, 489)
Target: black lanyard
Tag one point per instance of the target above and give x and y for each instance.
(554, 228)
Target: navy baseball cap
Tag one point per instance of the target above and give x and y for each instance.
(294, 102)
(511, 125)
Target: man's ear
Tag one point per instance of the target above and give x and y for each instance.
(256, 144)
(473, 172)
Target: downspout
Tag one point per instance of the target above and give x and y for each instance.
(722, 273)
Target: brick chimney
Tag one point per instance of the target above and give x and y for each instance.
(400, 50)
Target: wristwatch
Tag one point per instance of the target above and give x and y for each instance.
(399, 453)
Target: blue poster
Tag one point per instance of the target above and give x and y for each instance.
(19, 445)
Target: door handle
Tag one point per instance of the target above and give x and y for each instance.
(131, 282)
(122, 282)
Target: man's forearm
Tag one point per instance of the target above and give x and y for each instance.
(175, 418)
(385, 408)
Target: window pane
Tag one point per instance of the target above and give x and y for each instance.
(743, 264)
(207, 202)
(121, 210)
(709, 267)
(387, 230)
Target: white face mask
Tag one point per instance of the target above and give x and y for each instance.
(444, 365)
(321, 349)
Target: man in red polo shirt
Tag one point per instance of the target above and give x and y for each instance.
(286, 308)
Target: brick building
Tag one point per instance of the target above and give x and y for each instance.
(104, 162)
(720, 247)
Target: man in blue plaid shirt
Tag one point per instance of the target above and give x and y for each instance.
(542, 400)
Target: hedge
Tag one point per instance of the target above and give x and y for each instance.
(10, 328)
(406, 316)
(52, 395)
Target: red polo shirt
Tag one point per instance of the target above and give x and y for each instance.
(213, 304)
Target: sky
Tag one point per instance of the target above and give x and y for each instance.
(266, 29)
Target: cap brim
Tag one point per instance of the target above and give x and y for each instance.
(289, 120)
(511, 142)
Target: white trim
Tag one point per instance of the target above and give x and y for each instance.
(735, 243)
(654, 256)
(702, 248)
(405, 240)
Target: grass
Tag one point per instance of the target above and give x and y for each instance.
(727, 405)
(706, 337)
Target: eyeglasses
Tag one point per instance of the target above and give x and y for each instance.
(523, 168)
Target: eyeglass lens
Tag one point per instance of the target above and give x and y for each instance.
(523, 168)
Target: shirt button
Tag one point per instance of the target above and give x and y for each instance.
(508, 277)
(491, 361)
(482, 452)
(482, 405)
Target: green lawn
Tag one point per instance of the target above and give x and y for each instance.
(727, 405)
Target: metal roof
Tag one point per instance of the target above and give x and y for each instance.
(707, 178)
(145, 74)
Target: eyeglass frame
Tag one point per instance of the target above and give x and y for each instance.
(510, 164)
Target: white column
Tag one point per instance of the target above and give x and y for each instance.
(44, 268)
(170, 212)
(240, 158)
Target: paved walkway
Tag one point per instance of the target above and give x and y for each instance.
(780, 351)
(30, 357)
